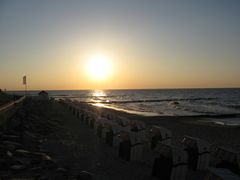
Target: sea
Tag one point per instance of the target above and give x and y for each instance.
(223, 104)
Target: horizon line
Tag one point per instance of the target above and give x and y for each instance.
(127, 89)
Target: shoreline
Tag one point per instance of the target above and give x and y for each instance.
(210, 119)
(157, 114)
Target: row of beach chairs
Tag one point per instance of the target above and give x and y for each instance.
(135, 142)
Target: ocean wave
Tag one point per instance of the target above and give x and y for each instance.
(153, 100)
(234, 106)
(87, 96)
(199, 102)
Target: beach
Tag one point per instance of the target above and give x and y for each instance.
(72, 147)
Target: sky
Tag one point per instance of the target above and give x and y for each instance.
(149, 43)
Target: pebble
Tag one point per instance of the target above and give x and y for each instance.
(22, 152)
(84, 175)
(36, 169)
(38, 155)
(17, 167)
(49, 164)
(9, 154)
(61, 174)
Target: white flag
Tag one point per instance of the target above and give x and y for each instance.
(24, 80)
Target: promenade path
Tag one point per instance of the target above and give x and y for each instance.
(11, 104)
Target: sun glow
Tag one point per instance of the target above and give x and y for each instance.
(98, 67)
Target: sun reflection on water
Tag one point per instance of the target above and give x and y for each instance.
(98, 97)
(99, 104)
(98, 93)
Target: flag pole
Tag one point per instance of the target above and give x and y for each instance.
(26, 89)
(25, 83)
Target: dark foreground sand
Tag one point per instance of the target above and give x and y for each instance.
(73, 147)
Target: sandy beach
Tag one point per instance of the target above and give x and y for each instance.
(63, 146)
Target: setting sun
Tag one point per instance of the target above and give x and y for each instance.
(98, 67)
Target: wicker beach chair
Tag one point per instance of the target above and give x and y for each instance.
(160, 135)
(98, 126)
(116, 132)
(90, 118)
(136, 146)
(198, 152)
(131, 145)
(227, 158)
(107, 127)
(170, 162)
(124, 151)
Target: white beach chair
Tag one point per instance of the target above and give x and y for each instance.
(141, 125)
(109, 133)
(116, 131)
(98, 122)
(106, 128)
(81, 115)
(204, 154)
(198, 151)
(160, 135)
(136, 146)
(227, 158)
(99, 127)
(147, 155)
(124, 149)
(125, 122)
(73, 110)
(90, 118)
(170, 162)
(86, 116)
(127, 128)
(180, 168)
